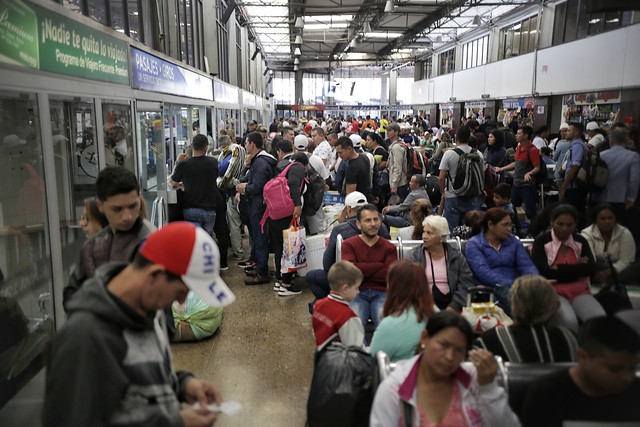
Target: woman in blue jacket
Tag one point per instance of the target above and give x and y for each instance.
(496, 257)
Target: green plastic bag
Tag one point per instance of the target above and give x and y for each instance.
(195, 319)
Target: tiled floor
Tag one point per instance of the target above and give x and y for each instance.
(262, 356)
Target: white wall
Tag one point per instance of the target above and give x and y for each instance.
(510, 77)
(601, 62)
(606, 61)
(469, 84)
(420, 92)
(441, 89)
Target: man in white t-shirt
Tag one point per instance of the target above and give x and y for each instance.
(594, 134)
(455, 207)
(540, 140)
(323, 148)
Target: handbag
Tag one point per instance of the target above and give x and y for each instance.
(294, 247)
(484, 315)
(613, 296)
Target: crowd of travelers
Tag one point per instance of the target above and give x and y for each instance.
(458, 192)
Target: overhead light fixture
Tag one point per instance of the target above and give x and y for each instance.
(297, 52)
(255, 53)
(353, 43)
(476, 20)
(298, 39)
(367, 28)
(439, 39)
(271, 72)
(266, 70)
(296, 68)
(299, 22)
(388, 7)
(296, 61)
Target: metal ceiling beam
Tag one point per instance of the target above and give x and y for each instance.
(425, 23)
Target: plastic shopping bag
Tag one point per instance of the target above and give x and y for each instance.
(294, 248)
(195, 319)
(484, 315)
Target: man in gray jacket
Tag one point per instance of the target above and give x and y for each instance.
(118, 198)
(398, 215)
(110, 364)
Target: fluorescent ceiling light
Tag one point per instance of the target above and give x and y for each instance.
(326, 26)
(382, 35)
(388, 7)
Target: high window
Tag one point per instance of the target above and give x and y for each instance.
(519, 38)
(448, 61)
(223, 42)
(475, 53)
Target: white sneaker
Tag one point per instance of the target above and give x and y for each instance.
(277, 286)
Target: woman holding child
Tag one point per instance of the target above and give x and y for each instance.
(437, 388)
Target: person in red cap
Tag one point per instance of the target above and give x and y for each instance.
(110, 364)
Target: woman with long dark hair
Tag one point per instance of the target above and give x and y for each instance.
(496, 153)
(405, 312)
(564, 256)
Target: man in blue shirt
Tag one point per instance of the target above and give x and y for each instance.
(569, 191)
(624, 177)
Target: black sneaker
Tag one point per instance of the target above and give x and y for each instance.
(247, 263)
(258, 280)
(286, 291)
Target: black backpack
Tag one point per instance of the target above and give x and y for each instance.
(593, 173)
(469, 179)
(541, 176)
(315, 192)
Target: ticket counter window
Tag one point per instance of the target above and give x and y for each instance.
(118, 136)
(73, 124)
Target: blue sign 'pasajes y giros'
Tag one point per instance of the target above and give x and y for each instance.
(157, 75)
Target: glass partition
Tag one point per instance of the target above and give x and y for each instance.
(26, 325)
(76, 167)
(118, 131)
(152, 150)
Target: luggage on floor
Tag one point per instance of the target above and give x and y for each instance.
(342, 387)
(195, 319)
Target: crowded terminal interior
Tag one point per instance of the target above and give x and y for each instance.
(319, 213)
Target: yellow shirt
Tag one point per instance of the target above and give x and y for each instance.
(383, 125)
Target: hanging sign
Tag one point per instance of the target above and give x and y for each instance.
(35, 37)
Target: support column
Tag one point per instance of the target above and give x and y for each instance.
(298, 87)
(384, 90)
(329, 98)
(393, 87)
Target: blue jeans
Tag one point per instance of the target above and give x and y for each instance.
(318, 283)
(527, 194)
(455, 209)
(501, 297)
(368, 305)
(201, 217)
(395, 221)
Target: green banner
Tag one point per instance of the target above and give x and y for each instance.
(36, 37)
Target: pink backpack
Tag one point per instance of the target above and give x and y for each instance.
(277, 197)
